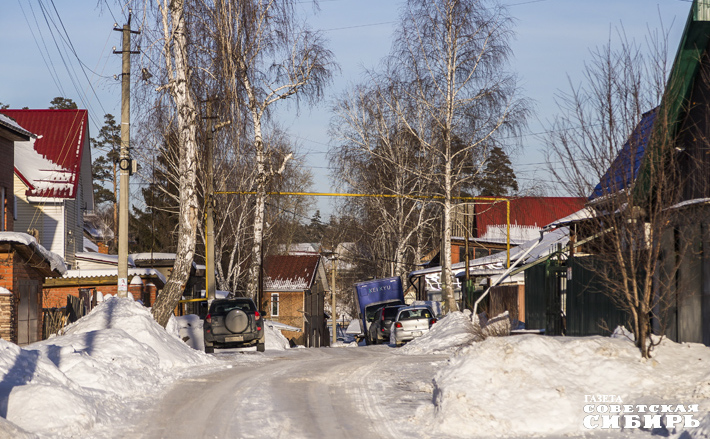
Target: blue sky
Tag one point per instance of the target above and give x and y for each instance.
(553, 41)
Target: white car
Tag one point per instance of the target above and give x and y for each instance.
(411, 322)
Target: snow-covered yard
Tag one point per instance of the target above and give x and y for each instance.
(111, 366)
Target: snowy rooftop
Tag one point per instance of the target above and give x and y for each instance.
(55, 261)
(108, 272)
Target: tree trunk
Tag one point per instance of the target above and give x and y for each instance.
(259, 214)
(447, 289)
(176, 45)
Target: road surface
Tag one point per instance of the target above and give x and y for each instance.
(348, 392)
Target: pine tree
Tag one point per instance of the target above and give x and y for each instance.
(104, 168)
(154, 228)
(498, 177)
(60, 103)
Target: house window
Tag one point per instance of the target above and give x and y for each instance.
(274, 304)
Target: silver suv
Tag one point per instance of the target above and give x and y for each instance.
(233, 323)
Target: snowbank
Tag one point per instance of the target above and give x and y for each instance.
(448, 334)
(536, 385)
(67, 384)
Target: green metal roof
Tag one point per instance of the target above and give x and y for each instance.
(676, 99)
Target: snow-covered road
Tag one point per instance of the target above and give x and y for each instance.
(300, 393)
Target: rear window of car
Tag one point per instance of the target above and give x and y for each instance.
(412, 314)
(224, 307)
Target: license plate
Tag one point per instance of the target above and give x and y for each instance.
(234, 338)
(416, 333)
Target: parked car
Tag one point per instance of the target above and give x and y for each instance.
(379, 331)
(233, 323)
(411, 322)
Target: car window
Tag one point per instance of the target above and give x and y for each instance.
(414, 314)
(225, 307)
(391, 312)
(370, 313)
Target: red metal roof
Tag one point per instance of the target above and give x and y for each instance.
(290, 272)
(526, 211)
(61, 138)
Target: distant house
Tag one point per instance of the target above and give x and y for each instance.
(53, 182)
(484, 225)
(294, 294)
(488, 223)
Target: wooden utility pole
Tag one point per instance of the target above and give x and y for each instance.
(332, 294)
(209, 208)
(125, 163)
(209, 201)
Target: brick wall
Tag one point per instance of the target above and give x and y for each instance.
(56, 296)
(13, 269)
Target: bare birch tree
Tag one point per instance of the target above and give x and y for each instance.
(371, 149)
(608, 125)
(449, 65)
(269, 57)
(171, 41)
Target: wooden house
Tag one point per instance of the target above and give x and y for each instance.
(53, 182)
(294, 293)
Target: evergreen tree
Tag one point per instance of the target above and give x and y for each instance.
(498, 178)
(60, 103)
(104, 167)
(154, 228)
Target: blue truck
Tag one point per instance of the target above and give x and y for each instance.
(374, 294)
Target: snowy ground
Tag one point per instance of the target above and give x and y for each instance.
(109, 369)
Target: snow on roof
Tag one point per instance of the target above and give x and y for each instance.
(41, 175)
(56, 262)
(525, 212)
(50, 163)
(90, 246)
(496, 262)
(108, 272)
(290, 272)
(136, 281)
(9, 122)
(102, 257)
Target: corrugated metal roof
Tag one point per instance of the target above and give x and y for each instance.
(526, 211)
(61, 135)
(290, 272)
(624, 169)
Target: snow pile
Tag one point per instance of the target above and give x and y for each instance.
(275, 340)
(446, 335)
(535, 385)
(67, 384)
(190, 329)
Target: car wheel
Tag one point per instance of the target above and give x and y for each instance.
(236, 321)
(209, 349)
(261, 347)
